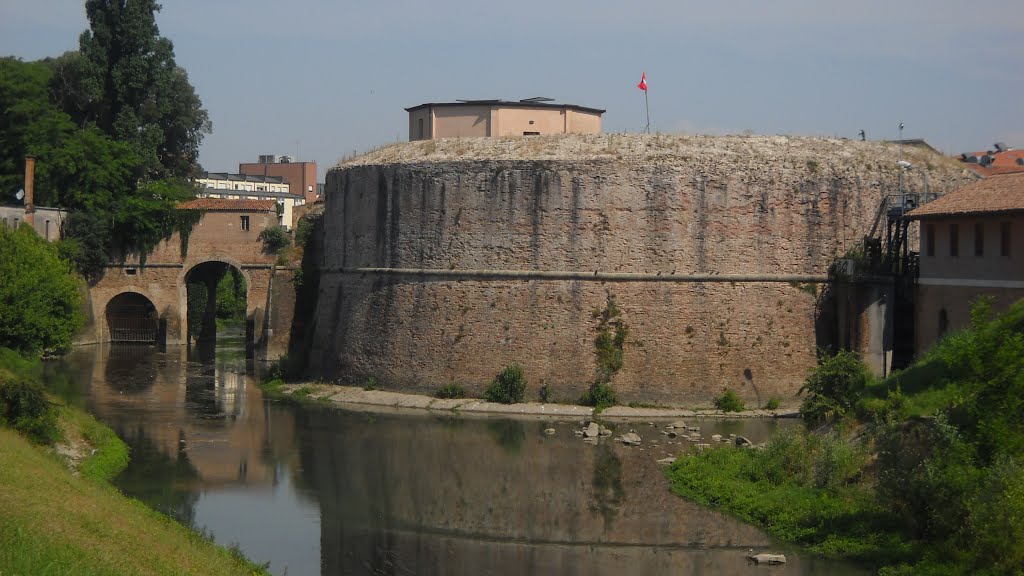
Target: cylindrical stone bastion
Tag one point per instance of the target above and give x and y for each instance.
(445, 261)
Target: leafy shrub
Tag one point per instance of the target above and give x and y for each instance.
(304, 231)
(836, 461)
(600, 395)
(371, 384)
(729, 402)
(275, 239)
(545, 393)
(450, 391)
(994, 517)
(509, 387)
(834, 387)
(24, 407)
(772, 404)
(41, 305)
(283, 369)
(785, 458)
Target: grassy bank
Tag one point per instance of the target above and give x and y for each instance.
(59, 513)
(920, 473)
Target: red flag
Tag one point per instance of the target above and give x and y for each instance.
(643, 82)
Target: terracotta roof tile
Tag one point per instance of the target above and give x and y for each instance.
(995, 194)
(226, 205)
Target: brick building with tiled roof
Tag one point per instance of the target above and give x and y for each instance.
(972, 244)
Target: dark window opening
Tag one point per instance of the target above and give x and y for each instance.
(1004, 239)
(943, 322)
(421, 128)
(130, 271)
(954, 240)
(929, 234)
(979, 239)
(245, 223)
(531, 133)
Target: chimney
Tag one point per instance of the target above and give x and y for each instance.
(30, 181)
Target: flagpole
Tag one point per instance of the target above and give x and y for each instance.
(647, 109)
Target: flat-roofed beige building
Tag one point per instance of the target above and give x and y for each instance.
(476, 118)
(972, 244)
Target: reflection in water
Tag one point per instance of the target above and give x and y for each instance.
(607, 483)
(316, 490)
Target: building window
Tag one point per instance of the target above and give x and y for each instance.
(979, 239)
(1004, 239)
(421, 128)
(245, 223)
(954, 240)
(531, 133)
(929, 239)
(943, 322)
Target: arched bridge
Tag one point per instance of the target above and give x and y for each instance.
(149, 303)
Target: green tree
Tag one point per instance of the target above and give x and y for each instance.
(40, 307)
(275, 239)
(144, 97)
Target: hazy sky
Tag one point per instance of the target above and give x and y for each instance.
(319, 79)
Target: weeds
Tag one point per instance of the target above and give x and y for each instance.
(450, 391)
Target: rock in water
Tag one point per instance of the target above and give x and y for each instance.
(630, 439)
(592, 431)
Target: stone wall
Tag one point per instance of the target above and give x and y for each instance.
(710, 248)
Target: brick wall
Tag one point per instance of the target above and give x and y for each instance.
(218, 237)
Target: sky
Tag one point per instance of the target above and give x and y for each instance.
(322, 79)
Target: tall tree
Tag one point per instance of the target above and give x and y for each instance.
(145, 98)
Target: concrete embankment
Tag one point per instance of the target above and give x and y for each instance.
(355, 398)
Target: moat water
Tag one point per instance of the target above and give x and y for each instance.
(321, 490)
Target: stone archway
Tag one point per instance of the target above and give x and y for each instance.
(132, 318)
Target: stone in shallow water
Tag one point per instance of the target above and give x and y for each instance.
(630, 439)
(592, 430)
(549, 431)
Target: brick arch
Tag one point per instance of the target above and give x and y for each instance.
(165, 309)
(191, 265)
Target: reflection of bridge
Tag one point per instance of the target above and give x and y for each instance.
(135, 302)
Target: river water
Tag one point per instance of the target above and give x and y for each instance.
(321, 490)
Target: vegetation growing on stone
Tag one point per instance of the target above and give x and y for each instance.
(508, 387)
(920, 473)
(609, 353)
(274, 239)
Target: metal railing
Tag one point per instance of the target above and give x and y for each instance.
(133, 329)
